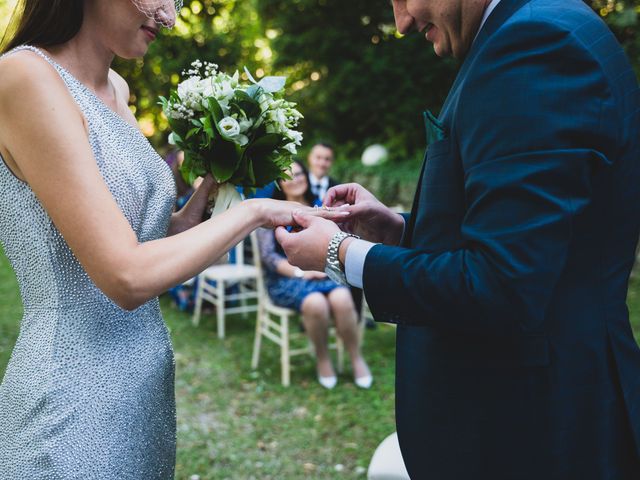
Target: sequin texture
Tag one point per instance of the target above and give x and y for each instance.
(89, 390)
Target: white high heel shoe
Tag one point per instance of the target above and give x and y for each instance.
(328, 382)
(364, 382)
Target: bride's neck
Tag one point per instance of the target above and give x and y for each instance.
(86, 58)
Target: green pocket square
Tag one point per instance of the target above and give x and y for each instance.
(434, 129)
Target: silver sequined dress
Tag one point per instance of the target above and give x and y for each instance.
(89, 390)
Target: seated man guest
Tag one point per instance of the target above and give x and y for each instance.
(320, 160)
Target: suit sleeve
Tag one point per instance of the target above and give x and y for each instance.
(532, 123)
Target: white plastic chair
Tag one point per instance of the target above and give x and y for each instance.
(225, 276)
(273, 323)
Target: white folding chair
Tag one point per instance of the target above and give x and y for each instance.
(224, 277)
(273, 323)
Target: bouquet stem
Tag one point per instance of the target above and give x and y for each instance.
(225, 198)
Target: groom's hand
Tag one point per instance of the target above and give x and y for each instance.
(307, 248)
(368, 217)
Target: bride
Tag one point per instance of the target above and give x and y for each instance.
(86, 222)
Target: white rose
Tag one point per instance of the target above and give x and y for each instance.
(229, 127)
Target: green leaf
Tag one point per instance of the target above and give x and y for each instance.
(192, 132)
(248, 104)
(239, 176)
(192, 167)
(177, 138)
(265, 169)
(179, 126)
(251, 175)
(208, 127)
(215, 109)
(222, 159)
(265, 145)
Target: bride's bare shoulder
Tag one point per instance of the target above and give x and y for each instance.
(28, 77)
(26, 66)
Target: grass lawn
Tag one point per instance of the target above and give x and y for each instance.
(236, 423)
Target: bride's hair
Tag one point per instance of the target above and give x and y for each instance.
(43, 23)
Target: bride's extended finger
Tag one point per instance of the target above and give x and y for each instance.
(333, 214)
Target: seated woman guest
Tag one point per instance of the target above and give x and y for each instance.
(312, 293)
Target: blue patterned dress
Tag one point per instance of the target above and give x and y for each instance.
(286, 291)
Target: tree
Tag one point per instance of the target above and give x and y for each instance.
(357, 81)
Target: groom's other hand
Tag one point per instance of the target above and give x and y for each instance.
(368, 218)
(307, 248)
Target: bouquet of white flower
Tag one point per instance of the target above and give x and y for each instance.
(243, 134)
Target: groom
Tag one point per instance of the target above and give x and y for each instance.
(515, 358)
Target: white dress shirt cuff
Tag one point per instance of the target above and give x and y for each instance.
(354, 261)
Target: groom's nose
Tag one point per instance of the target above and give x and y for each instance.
(404, 21)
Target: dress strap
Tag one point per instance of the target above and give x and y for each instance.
(38, 52)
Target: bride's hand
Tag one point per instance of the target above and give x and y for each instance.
(192, 213)
(279, 213)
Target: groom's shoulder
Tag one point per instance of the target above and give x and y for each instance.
(556, 31)
(569, 17)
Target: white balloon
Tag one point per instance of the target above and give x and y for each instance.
(374, 155)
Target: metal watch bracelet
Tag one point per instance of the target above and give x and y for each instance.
(333, 269)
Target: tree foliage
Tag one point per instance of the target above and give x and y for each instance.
(356, 80)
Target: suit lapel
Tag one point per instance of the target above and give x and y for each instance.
(434, 132)
(408, 234)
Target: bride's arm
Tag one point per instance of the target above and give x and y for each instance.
(191, 214)
(43, 131)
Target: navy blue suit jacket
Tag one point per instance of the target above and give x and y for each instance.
(515, 357)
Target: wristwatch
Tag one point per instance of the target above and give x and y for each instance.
(333, 268)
